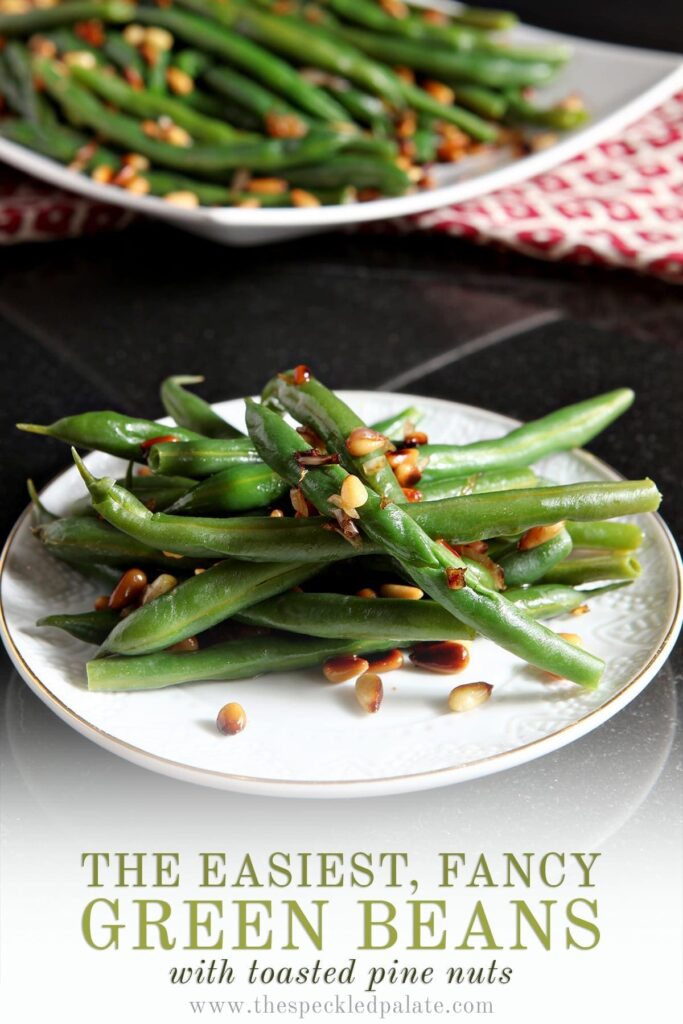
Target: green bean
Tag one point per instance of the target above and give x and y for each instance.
(363, 108)
(559, 117)
(420, 100)
(11, 94)
(31, 104)
(429, 564)
(319, 408)
(82, 107)
(156, 492)
(361, 172)
(299, 41)
(85, 540)
(107, 431)
(161, 183)
(120, 52)
(478, 483)
(41, 515)
(191, 411)
(371, 16)
(395, 426)
(569, 427)
(597, 567)
(150, 104)
(486, 18)
(425, 140)
(489, 69)
(202, 457)
(44, 18)
(193, 62)
(235, 489)
(338, 616)
(249, 94)
(528, 566)
(247, 55)
(480, 99)
(236, 659)
(261, 539)
(621, 536)
(201, 602)
(479, 516)
(90, 627)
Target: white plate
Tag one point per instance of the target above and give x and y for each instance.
(307, 738)
(619, 84)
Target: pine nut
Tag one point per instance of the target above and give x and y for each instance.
(187, 646)
(103, 174)
(447, 656)
(363, 441)
(299, 503)
(411, 494)
(177, 136)
(179, 81)
(268, 186)
(301, 198)
(468, 696)
(277, 513)
(138, 186)
(539, 535)
(285, 126)
(441, 92)
(134, 34)
(369, 692)
(388, 662)
(414, 438)
(366, 592)
(128, 589)
(80, 59)
(102, 603)
(343, 667)
(455, 578)
(186, 199)
(401, 591)
(137, 161)
(161, 585)
(231, 719)
(158, 38)
(353, 493)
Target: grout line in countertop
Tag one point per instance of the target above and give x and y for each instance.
(482, 341)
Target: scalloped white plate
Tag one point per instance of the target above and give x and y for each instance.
(619, 83)
(307, 738)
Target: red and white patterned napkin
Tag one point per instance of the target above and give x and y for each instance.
(619, 204)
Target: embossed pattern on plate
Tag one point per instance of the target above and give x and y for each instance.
(307, 738)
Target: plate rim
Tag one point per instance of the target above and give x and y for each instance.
(217, 218)
(346, 788)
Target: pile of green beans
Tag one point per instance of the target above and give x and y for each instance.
(249, 531)
(258, 103)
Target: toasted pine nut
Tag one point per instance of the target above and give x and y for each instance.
(405, 466)
(369, 692)
(249, 204)
(103, 174)
(455, 578)
(159, 38)
(581, 609)
(538, 535)
(188, 200)
(301, 198)
(364, 440)
(171, 554)
(134, 34)
(268, 186)
(231, 719)
(138, 185)
(407, 74)
(396, 8)
(177, 136)
(285, 126)
(161, 585)
(353, 492)
(468, 696)
(128, 589)
(388, 662)
(299, 503)
(80, 59)
(401, 591)
(543, 140)
(411, 494)
(345, 666)
(179, 81)
(277, 513)
(137, 161)
(366, 592)
(447, 656)
(102, 603)
(187, 646)
(151, 128)
(415, 438)
(441, 92)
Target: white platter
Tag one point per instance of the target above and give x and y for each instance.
(618, 83)
(307, 738)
